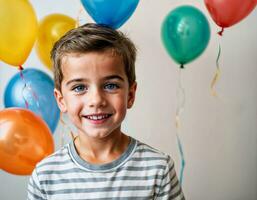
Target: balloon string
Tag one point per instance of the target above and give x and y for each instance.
(35, 98)
(181, 100)
(221, 31)
(24, 87)
(79, 16)
(67, 127)
(183, 162)
(217, 74)
(179, 109)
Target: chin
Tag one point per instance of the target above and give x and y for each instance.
(96, 134)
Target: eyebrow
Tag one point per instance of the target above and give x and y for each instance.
(114, 77)
(105, 79)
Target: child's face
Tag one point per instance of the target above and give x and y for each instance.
(95, 92)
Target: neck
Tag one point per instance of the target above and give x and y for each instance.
(100, 151)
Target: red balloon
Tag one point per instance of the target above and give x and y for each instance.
(25, 139)
(226, 13)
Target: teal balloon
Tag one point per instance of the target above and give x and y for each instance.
(185, 33)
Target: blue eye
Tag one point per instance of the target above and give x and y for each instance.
(111, 86)
(79, 88)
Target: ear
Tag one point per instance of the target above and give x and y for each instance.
(132, 95)
(60, 100)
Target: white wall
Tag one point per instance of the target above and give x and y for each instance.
(219, 135)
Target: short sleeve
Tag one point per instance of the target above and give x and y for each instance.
(170, 188)
(34, 190)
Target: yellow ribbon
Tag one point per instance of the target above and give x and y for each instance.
(78, 16)
(216, 76)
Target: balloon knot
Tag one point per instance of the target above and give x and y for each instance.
(221, 31)
(182, 66)
(20, 68)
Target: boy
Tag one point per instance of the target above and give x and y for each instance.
(95, 83)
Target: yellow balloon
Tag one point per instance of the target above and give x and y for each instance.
(18, 30)
(51, 29)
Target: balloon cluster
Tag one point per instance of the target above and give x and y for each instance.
(31, 113)
(185, 30)
(24, 137)
(185, 35)
(25, 132)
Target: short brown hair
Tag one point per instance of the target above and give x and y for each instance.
(93, 37)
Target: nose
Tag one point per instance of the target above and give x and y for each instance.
(96, 98)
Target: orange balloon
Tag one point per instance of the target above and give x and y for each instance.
(25, 139)
(51, 29)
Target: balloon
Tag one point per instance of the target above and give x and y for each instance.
(38, 93)
(17, 31)
(51, 29)
(113, 13)
(226, 13)
(185, 33)
(24, 140)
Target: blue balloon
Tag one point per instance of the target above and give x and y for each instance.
(113, 13)
(37, 89)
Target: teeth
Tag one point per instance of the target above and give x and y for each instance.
(97, 117)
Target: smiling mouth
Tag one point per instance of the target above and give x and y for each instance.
(97, 117)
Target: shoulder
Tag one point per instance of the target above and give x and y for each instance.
(148, 150)
(55, 160)
(148, 153)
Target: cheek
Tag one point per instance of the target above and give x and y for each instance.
(74, 111)
(121, 104)
(74, 106)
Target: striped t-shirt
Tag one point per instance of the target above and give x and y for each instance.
(141, 172)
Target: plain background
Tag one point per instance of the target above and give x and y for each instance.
(219, 135)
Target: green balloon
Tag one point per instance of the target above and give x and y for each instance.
(185, 33)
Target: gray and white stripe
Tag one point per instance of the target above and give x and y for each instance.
(142, 172)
